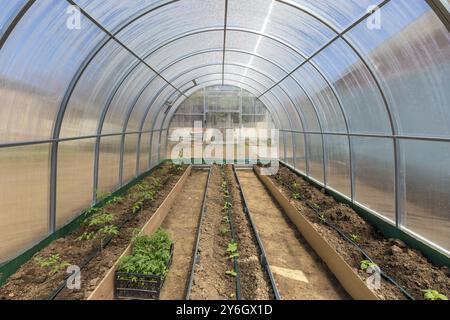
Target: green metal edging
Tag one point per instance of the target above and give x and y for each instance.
(386, 229)
(9, 268)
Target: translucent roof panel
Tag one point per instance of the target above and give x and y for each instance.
(338, 13)
(410, 54)
(264, 47)
(181, 47)
(113, 13)
(357, 89)
(8, 10)
(281, 21)
(37, 63)
(180, 17)
(325, 100)
(93, 91)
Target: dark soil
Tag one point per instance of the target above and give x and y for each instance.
(210, 279)
(255, 284)
(406, 266)
(32, 282)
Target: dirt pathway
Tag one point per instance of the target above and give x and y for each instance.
(300, 274)
(181, 223)
(210, 279)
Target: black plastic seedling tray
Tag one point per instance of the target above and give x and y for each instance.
(132, 286)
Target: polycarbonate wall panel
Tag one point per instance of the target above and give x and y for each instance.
(111, 13)
(293, 118)
(109, 161)
(124, 99)
(34, 86)
(129, 157)
(274, 18)
(24, 196)
(338, 163)
(161, 25)
(262, 78)
(91, 94)
(339, 13)
(163, 146)
(264, 47)
(300, 156)
(303, 103)
(8, 11)
(271, 70)
(410, 54)
(144, 103)
(154, 149)
(427, 177)
(281, 146)
(74, 180)
(326, 103)
(361, 99)
(182, 46)
(373, 160)
(144, 153)
(315, 156)
(289, 148)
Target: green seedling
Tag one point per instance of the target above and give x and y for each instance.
(316, 206)
(322, 218)
(430, 294)
(100, 217)
(365, 264)
(102, 195)
(296, 196)
(137, 206)
(231, 273)
(150, 255)
(109, 230)
(224, 231)
(227, 205)
(226, 219)
(53, 263)
(354, 237)
(86, 236)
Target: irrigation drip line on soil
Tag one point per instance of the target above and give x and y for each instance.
(233, 235)
(104, 243)
(345, 237)
(263, 257)
(197, 240)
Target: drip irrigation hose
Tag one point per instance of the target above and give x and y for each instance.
(234, 238)
(197, 240)
(263, 258)
(94, 253)
(346, 237)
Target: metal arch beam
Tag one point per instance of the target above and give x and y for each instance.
(12, 23)
(224, 40)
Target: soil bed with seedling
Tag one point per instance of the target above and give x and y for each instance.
(114, 223)
(408, 267)
(255, 284)
(214, 277)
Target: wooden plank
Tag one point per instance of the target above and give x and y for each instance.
(105, 289)
(348, 278)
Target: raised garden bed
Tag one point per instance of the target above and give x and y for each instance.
(339, 225)
(100, 240)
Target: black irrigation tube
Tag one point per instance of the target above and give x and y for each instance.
(234, 238)
(263, 257)
(197, 240)
(104, 243)
(346, 237)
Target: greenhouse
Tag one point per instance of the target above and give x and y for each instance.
(224, 149)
